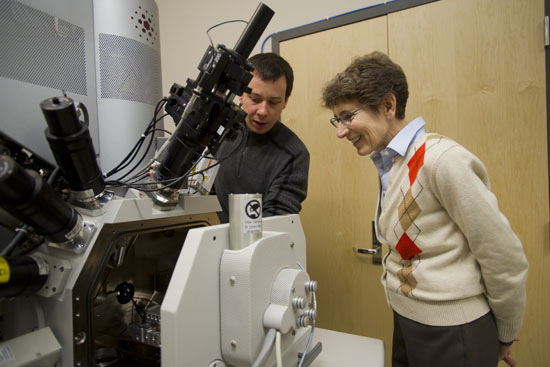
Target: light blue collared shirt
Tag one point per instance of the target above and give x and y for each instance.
(399, 145)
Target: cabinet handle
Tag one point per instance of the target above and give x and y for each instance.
(366, 251)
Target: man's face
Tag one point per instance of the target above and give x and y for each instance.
(264, 104)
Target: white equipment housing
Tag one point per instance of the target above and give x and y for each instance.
(102, 53)
(216, 290)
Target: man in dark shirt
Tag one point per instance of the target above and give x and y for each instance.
(274, 161)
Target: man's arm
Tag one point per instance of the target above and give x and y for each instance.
(287, 191)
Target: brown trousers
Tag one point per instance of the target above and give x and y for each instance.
(474, 344)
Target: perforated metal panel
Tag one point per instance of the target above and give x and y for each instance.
(41, 49)
(129, 70)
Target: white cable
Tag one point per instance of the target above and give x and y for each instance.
(266, 348)
(310, 333)
(278, 350)
(312, 325)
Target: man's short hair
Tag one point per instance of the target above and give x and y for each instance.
(368, 80)
(270, 67)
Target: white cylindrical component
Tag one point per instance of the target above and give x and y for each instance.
(279, 317)
(245, 220)
(129, 78)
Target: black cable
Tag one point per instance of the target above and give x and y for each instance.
(123, 162)
(150, 129)
(222, 23)
(134, 152)
(137, 185)
(169, 182)
(137, 178)
(145, 168)
(126, 161)
(219, 161)
(150, 133)
(166, 183)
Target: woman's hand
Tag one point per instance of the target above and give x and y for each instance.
(504, 353)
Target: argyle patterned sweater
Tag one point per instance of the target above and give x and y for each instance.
(452, 254)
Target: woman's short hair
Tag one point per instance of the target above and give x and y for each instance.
(368, 80)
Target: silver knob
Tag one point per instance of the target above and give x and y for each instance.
(299, 302)
(303, 321)
(311, 286)
(311, 313)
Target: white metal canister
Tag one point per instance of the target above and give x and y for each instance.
(245, 220)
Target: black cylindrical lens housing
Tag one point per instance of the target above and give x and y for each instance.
(35, 202)
(16, 185)
(61, 116)
(72, 146)
(26, 276)
(253, 31)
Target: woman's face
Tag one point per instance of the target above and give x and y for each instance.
(368, 131)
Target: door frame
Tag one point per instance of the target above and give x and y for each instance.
(345, 19)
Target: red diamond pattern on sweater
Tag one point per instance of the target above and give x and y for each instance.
(416, 162)
(407, 248)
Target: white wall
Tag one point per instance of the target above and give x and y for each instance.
(183, 25)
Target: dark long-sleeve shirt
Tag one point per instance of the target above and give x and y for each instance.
(274, 164)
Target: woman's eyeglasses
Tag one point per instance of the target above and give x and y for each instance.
(345, 117)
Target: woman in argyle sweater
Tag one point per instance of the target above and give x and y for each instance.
(455, 272)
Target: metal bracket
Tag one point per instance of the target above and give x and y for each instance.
(59, 272)
(311, 355)
(81, 240)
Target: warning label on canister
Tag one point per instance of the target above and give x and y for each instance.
(253, 214)
(245, 220)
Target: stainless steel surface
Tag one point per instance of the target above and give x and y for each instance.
(151, 251)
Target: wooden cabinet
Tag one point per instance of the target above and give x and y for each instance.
(476, 72)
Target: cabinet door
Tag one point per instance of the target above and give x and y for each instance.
(343, 187)
(476, 74)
